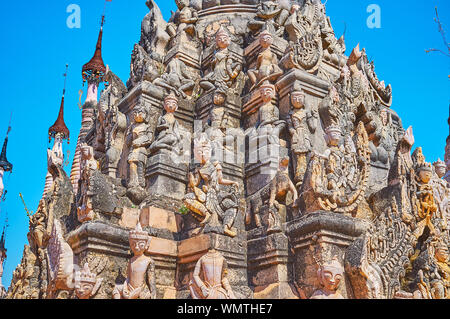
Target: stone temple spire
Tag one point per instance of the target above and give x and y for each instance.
(2, 260)
(5, 166)
(93, 72)
(58, 132)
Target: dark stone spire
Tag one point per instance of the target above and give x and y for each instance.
(2, 244)
(7, 166)
(60, 125)
(95, 69)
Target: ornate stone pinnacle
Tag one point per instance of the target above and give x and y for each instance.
(95, 69)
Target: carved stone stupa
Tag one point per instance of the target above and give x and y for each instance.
(247, 157)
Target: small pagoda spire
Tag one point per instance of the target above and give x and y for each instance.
(58, 132)
(60, 126)
(94, 70)
(4, 164)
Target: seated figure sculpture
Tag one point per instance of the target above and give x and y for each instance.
(211, 203)
(169, 137)
(330, 276)
(176, 79)
(187, 18)
(224, 69)
(210, 278)
(267, 68)
(140, 282)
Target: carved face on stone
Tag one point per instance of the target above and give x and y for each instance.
(202, 149)
(139, 115)
(441, 254)
(265, 40)
(171, 104)
(139, 240)
(222, 39)
(267, 93)
(138, 246)
(333, 136)
(219, 98)
(84, 290)
(330, 276)
(425, 175)
(440, 168)
(298, 99)
(384, 117)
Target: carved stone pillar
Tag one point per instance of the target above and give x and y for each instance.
(319, 237)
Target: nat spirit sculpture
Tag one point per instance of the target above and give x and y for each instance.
(140, 282)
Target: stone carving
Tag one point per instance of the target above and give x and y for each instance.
(115, 130)
(224, 70)
(154, 38)
(115, 90)
(424, 205)
(272, 194)
(337, 180)
(210, 278)
(55, 156)
(355, 193)
(169, 136)
(86, 283)
(330, 276)
(140, 282)
(272, 16)
(142, 67)
(302, 124)
(270, 126)
(186, 19)
(336, 110)
(177, 78)
(60, 261)
(222, 135)
(376, 262)
(39, 234)
(88, 164)
(267, 68)
(211, 204)
(139, 138)
(441, 193)
(305, 51)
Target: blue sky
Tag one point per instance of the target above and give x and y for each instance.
(37, 44)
